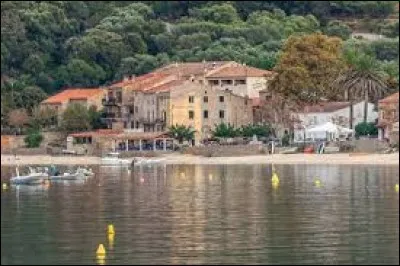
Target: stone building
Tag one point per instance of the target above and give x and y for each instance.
(202, 107)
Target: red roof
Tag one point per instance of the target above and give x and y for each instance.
(165, 86)
(325, 107)
(144, 82)
(73, 94)
(394, 98)
(191, 68)
(99, 132)
(238, 70)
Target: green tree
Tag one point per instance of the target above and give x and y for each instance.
(307, 67)
(31, 96)
(75, 118)
(366, 129)
(222, 13)
(181, 133)
(44, 117)
(258, 130)
(363, 79)
(95, 118)
(339, 29)
(223, 130)
(33, 138)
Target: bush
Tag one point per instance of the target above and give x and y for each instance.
(33, 139)
(366, 129)
(285, 140)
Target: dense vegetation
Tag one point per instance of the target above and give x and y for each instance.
(46, 46)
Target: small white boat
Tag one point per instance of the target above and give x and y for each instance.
(80, 173)
(112, 158)
(33, 178)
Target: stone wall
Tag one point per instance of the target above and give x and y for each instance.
(11, 143)
(226, 150)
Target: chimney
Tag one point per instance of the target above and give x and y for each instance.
(126, 78)
(132, 77)
(213, 65)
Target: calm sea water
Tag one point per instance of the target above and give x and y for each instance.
(198, 214)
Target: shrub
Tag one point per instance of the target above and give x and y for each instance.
(33, 139)
(365, 129)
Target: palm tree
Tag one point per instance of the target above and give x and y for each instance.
(363, 79)
(181, 133)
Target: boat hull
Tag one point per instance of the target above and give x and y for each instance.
(29, 179)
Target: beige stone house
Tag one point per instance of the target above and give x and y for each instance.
(202, 107)
(87, 97)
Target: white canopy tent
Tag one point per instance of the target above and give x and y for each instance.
(328, 131)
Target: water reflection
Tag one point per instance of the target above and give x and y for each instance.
(200, 214)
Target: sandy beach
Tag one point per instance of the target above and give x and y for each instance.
(381, 159)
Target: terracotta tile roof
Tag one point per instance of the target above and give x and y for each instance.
(144, 82)
(394, 98)
(191, 68)
(165, 86)
(325, 107)
(73, 94)
(238, 70)
(141, 135)
(99, 132)
(130, 81)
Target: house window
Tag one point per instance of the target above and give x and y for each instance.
(119, 96)
(240, 82)
(221, 113)
(191, 99)
(125, 124)
(164, 116)
(131, 110)
(191, 114)
(136, 109)
(205, 114)
(213, 82)
(221, 99)
(137, 124)
(226, 82)
(205, 99)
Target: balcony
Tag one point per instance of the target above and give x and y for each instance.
(147, 121)
(111, 101)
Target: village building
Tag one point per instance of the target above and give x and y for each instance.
(84, 96)
(103, 141)
(201, 107)
(388, 121)
(336, 112)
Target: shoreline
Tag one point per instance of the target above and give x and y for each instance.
(174, 159)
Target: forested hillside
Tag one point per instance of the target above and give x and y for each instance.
(46, 46)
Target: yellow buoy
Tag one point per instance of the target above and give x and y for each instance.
(317, 183)
(4, 186)
(275, 185)
(396, 187)
(111, 240)
(111, 229)
(101, 259)
(275, 178)
(101, 251)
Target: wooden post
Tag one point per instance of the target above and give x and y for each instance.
(140, 144)
(126, 145)
(154, 144)
(165, 144)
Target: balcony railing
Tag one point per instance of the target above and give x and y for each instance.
(111, 101)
